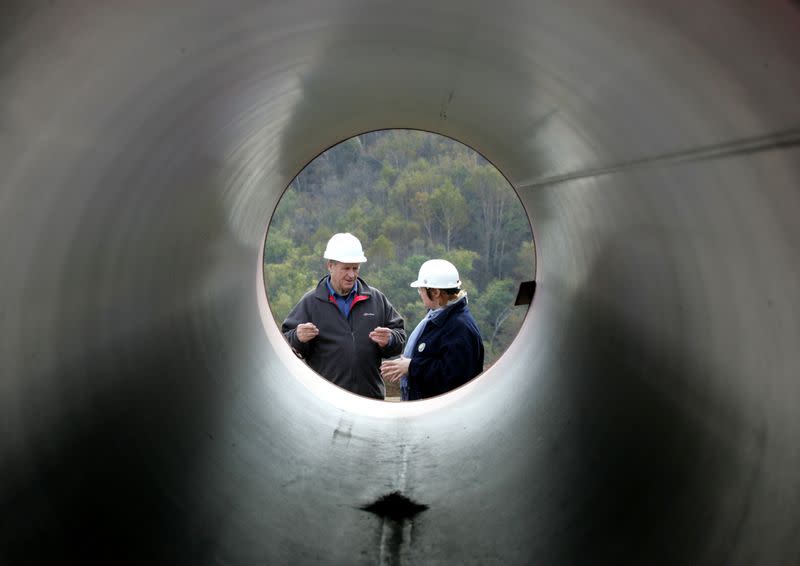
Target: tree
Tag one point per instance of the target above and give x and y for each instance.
(525, 267)
(400, 231)
(494, 200)
(354, 220)
(381, 252)
(398, 148)
(492, 308)
(464, 260)
(421, 177)
(278, 248)
(450, 209)
(424, 211)
(344, 155)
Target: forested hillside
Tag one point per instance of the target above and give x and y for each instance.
(409, 196)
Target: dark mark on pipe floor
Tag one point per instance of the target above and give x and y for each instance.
(395, 506)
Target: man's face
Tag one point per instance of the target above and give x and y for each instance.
(343, 276)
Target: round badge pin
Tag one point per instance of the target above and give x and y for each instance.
(421, 347)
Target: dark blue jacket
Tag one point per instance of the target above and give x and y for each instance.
(448, 353)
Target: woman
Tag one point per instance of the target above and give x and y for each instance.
(445, 350)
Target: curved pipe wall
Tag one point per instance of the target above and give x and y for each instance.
(645, 414)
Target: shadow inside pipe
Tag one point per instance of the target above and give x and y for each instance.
(117, 478)
(654, 463)
(115, 433)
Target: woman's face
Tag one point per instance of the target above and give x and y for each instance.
(429, 302)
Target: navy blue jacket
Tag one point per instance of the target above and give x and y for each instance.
(448, 353)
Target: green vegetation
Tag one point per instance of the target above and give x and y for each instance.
(409, 196)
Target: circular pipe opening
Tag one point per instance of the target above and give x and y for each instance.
(439, 198)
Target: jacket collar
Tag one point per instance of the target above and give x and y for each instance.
(458, 307)
(321, 292)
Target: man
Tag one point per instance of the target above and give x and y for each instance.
(445, 350)
(343, 327)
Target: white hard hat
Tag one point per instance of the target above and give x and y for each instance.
(438, 274)
(346, 248)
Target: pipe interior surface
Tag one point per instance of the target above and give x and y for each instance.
(646, 412)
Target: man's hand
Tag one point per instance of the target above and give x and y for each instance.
(306, 332)
(380, 336)
(393, 370)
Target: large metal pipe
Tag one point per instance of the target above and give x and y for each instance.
(646, 413)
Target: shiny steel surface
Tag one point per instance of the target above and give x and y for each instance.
(647, 413)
